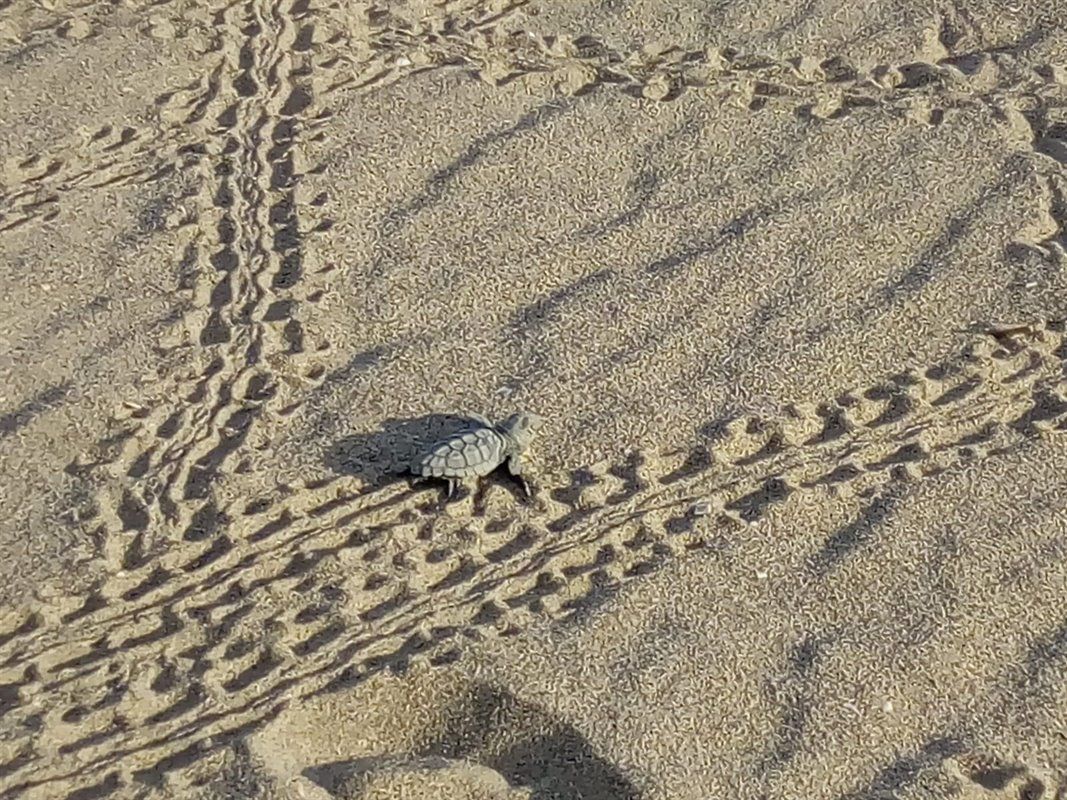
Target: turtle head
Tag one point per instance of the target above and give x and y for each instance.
(521, 427)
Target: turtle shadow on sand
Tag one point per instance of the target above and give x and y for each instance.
(385, 456)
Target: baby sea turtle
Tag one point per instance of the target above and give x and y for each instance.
(479, 449)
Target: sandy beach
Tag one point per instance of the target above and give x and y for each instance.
(786, 280)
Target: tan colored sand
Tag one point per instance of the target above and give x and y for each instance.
(786, 280)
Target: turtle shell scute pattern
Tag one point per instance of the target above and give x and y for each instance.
(474, 452)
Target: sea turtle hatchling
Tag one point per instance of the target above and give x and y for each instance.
(479, 449)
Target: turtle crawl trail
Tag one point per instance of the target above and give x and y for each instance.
(320, 586)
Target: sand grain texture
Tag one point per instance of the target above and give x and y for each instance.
(787, 282)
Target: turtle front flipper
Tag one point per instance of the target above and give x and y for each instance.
(527, 490)
(516, 471)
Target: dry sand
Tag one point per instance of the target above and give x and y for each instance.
(801, 528)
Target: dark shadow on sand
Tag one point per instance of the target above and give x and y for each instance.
(521, 741)
(386, 455)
